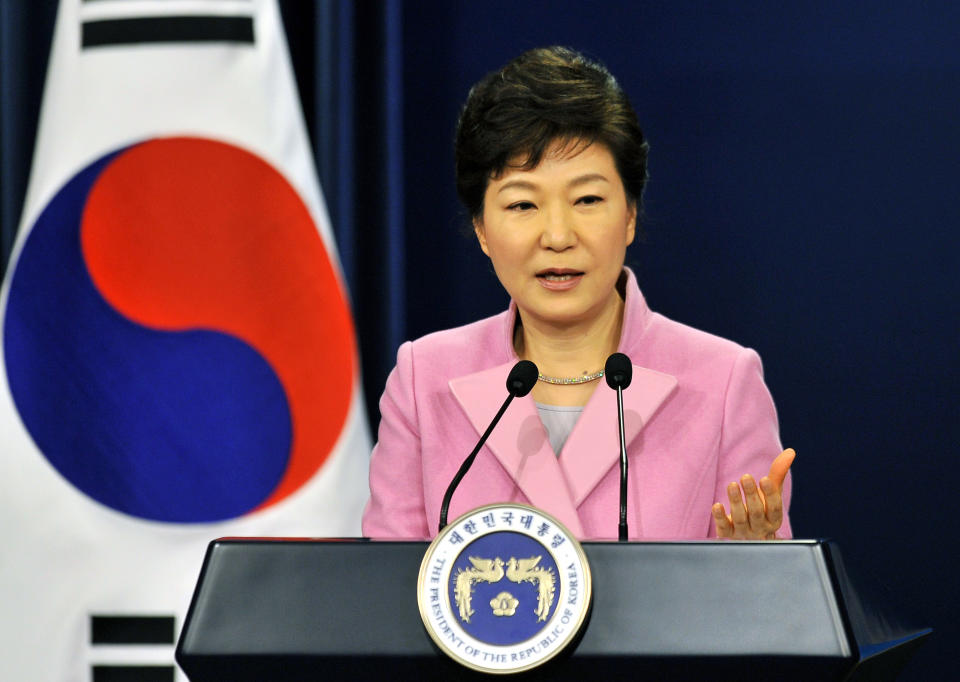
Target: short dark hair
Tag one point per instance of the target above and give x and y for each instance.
(545, 95)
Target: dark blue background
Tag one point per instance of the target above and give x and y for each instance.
(802, 202)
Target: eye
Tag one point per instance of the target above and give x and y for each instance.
(521, 206)
(589, 200)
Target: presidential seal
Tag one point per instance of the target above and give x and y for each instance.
(504, 588)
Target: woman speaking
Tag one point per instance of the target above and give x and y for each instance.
(551, 165)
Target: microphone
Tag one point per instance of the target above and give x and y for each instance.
(520, 381)
(619, 373)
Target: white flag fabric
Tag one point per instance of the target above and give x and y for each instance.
(178, 355)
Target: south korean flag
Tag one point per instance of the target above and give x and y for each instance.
(178, 354)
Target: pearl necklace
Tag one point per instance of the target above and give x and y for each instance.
(566, 381)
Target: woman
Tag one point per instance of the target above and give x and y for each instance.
(551, 165)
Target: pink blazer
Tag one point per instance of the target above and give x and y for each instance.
(697, 417)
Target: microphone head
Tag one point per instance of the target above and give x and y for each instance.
(618, 371)
(522, 378)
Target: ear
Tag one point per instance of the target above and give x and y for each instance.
(631, 222)
(481, 236)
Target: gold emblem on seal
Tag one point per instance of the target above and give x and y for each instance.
(517, 571)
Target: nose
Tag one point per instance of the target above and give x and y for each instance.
(559, 231)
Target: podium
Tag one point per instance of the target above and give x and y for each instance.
(292, 609)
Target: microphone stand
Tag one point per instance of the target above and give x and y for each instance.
(519, 382)
(623, 468)
(467, 463)
(619, 374)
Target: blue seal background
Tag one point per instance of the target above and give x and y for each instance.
(504, 630)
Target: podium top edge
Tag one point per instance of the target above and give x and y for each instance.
(414, 541)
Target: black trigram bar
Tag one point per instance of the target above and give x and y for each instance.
(185, 29)
(131, 630)
(133, 673)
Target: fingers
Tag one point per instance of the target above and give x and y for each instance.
(780, 467)
(738, 512)
(721, 522)
(774, 503)
(756, 512)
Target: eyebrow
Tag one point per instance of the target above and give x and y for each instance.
(588, 177)
(577, 181)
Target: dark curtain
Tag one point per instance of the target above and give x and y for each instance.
(25, 32)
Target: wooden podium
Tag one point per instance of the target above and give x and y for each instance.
(292, 609)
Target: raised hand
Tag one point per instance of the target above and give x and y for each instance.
(758, 512)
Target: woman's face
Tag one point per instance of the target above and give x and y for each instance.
(557, 234)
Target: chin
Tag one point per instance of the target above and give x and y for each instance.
(556, 315)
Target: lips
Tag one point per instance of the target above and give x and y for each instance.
(559, 279)
(558, 274)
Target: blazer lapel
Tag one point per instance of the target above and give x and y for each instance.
(594, 444)
(519, 442)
